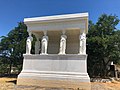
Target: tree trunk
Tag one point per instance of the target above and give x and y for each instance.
(10, 67)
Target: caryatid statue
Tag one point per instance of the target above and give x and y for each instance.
(63, 44)
(29, 44)
(82, 44)
(44, 45)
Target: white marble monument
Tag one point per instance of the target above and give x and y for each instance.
(60, 58)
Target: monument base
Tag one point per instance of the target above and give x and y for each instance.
(55, 71)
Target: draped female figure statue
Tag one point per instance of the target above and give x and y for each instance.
(82, 43)
(29, 44)
(44, 45)
(63, 44)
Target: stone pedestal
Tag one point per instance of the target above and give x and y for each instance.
(61, 71)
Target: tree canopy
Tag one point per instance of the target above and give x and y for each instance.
(103, 45)
(12, 46)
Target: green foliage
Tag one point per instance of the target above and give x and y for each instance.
(3, 65)
(103, 45)
(13, 45)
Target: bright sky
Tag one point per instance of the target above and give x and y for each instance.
(14, 11)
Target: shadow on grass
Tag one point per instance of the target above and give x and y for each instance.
(9, 75)
(12, 81)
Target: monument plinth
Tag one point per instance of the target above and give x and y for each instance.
(60, 58)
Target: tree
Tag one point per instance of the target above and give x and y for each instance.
(102, 45)
(13, 46)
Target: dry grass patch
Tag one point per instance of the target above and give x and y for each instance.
(9, 84)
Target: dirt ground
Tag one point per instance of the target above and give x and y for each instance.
(9, 84)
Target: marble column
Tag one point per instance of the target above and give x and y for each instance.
(44, 43)
(63, 43)
(37, 44)
(29, 44)
(82, 47)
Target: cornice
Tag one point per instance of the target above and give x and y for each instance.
(55, 18)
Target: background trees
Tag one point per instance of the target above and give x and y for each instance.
(103, 46)
(12, 48)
